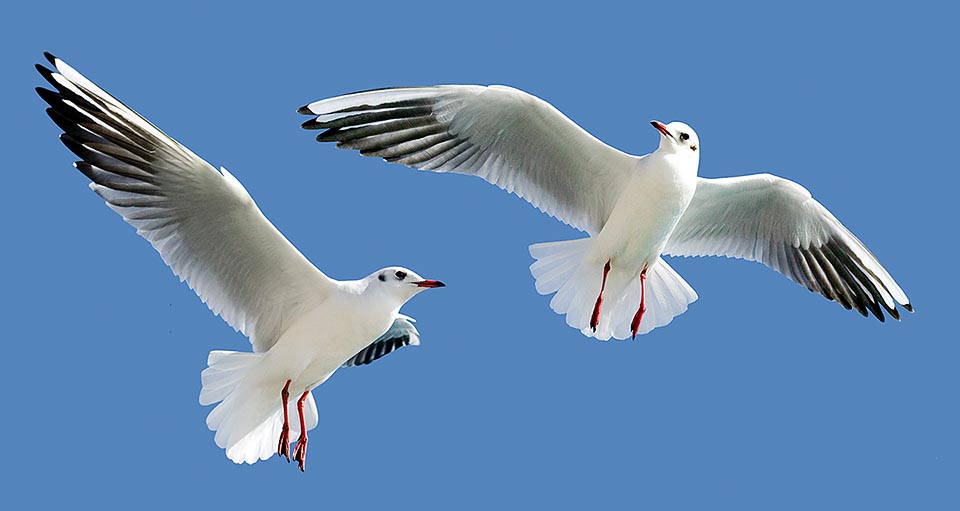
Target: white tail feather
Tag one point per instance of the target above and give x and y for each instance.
(559, 268)
(248, 419)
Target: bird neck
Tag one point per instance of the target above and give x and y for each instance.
(381, 299)
(682, 161)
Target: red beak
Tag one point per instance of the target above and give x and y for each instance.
(429, 283)
(662, 129)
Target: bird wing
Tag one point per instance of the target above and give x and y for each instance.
(512, 139)
(202, 221)
(775, 221)
(401, 333)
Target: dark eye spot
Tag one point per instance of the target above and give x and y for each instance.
(684, 137)
(382, 277)
(693, 148)
(400, 275)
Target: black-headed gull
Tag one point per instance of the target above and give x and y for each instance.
(635, 208)
(303, 325)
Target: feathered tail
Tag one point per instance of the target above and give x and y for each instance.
(560, 268)
(249, 417)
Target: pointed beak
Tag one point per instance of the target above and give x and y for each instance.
(429, 283)
(662, 129)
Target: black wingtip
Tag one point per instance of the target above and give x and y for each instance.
(47, 95)
(894, 312)
(46, 73)
(328, 136)
(86, 169)
(305, 110)
(312, 124)
(50, 58)
(908, 307)
(875, 309)
(331, 135)
(72, 144)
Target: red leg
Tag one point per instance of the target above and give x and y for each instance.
(283, 449)
(595, 317)
(300, 453)
(635, 324)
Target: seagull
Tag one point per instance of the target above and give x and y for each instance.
(635, 209)
(302, 324)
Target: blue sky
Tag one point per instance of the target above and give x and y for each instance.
(761, 396)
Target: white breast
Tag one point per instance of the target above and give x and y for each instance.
(646, 212)
(322, 340)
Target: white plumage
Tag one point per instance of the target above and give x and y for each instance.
(302, 324)
(634, 208)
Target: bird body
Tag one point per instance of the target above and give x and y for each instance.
(308, 352)
(303, 325)
(634, 208)
(319, 342)
(646, 212)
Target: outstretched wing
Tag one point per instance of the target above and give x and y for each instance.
(401, 333)
(775, 221)
(202, 221)
(510, 138)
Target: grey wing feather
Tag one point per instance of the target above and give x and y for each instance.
(776, 222)
(202, 221)
(401, 333)
(512, 139)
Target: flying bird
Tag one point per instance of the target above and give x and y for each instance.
(635, 209)
(302, 324)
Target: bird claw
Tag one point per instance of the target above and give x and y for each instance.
(595, 317)
(283, 449)
(635, 324)
(300, 452)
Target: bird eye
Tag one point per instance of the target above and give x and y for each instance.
(684, 137)
(400, 275)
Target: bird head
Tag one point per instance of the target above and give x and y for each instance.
(400, 283)
(679, 138)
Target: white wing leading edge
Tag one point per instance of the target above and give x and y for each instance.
(775, 221)
(203, 222)
(510, 138)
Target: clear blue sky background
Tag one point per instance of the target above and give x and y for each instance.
(761, 396)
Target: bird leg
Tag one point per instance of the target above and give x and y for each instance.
(595, 317)
(300, 452)
(283, 449)
(635, 324)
